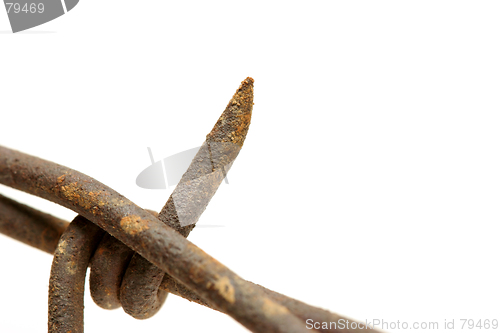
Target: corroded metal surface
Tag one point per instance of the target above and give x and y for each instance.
(29, 225)
(210, 165)
(169, 284)
(151, 238)
(317, 315)
(298, 308)
(139, 293)
(144, 255)
(67, 275)
(107, 267)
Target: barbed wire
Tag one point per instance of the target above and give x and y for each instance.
(137, 256)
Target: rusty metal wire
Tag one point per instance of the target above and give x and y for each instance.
(138, 256)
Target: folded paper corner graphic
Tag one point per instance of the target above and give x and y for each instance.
(25, 14)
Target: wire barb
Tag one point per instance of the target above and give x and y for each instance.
(138, 254)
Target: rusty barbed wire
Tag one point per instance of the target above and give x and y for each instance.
(30, 226)
(121, 278)
(137, 256)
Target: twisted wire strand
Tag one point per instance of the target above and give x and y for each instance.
(136, 288)
(14, 213)
(151, 238)
(144, 233)
(130, 261)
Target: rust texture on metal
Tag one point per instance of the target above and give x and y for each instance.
(210, 165)
(298, 308)
(151, 238)
(148, 236)
(67, 275)
(29, 225)
(121, 278)
(107, 267)
(140, 294)
(171, 285)
(142, 256)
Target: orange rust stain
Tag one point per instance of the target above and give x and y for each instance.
(272, 309)
(236, 117)
(132, 224)
(225, 288)
(73, 193)
(62, 246)
(71, 268)
(86, 200)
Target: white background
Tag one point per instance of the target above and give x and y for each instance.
(369, 183)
